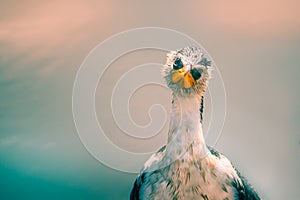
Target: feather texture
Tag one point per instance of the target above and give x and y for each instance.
(186, 168)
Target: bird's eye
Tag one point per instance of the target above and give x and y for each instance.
(196, 73)
(177, 64)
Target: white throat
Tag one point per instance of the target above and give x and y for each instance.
(185, 133)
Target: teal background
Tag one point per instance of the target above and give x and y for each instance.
(42, 44)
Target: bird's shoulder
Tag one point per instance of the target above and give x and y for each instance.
(150, 166)
(244, 190)
(135, 191)
(154, 161)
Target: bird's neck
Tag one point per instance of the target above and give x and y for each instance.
(185, 132)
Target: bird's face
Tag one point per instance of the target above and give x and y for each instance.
(187, 71)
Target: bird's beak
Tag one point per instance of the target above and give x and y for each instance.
(183, 77)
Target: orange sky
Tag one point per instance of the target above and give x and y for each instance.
(53, 25)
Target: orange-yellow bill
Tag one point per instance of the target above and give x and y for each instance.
(182, 78)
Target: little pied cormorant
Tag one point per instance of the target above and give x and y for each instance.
(186, 168)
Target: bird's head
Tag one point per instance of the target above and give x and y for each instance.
(187, 71)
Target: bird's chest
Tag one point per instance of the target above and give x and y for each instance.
(190, 180)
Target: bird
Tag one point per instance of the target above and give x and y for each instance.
(186, 167)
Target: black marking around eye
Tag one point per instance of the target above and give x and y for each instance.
(177, 64)
(196, 73)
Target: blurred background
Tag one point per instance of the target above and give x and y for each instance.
(255, 44)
